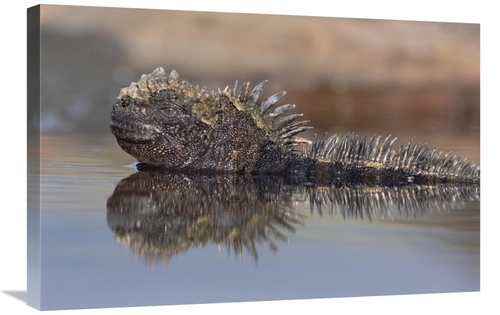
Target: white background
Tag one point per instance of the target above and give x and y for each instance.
(13, 153)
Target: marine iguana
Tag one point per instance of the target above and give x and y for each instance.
(165, 122)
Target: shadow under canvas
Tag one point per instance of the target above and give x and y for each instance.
(20, 295)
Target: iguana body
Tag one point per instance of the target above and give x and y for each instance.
(164, 121)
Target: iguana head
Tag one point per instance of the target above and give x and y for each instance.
(165, 121)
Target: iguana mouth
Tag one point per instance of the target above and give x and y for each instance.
(132, 131)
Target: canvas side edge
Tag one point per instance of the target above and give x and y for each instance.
(33, 152)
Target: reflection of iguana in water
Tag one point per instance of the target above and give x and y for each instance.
(160, 214)
(164, 121)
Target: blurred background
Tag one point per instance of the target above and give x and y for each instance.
(344, 74)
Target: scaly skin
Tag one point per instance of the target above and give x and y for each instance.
(165, 122)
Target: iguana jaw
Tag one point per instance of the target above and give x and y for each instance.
(132, 131)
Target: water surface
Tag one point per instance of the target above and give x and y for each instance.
(112, 237)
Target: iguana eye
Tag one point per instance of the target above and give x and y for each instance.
(168, 111)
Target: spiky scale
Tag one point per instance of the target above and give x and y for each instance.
(244, 91)
(291, 127)
(284, 121)
(321, 144)
(381, 149)
(279, 111)
(269, 102)
(257, 92)
(234, 90)
(387, 150)
(295, 131)
(371, 146)
(300, 140)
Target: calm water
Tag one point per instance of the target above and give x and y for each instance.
(111, 238)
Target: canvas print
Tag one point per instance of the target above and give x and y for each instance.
(181, 157)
